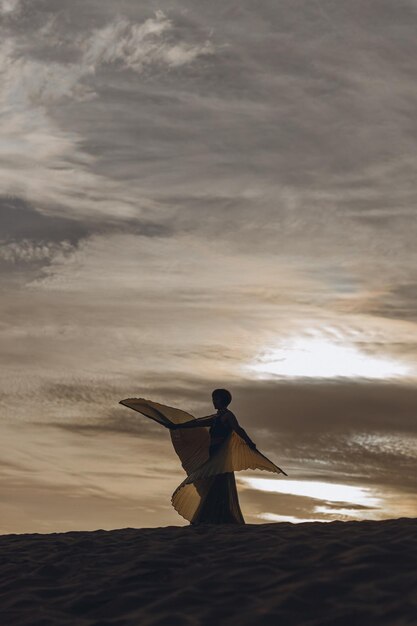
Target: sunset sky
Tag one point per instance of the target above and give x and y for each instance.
(197, 195)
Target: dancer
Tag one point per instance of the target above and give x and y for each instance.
(211, 449)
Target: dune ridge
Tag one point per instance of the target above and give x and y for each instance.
(333, 574)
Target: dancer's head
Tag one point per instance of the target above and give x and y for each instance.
(221, 398)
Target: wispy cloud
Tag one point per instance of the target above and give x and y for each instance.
(29, 251)
(9, 6)
(136, 46)
(47, 164)
(28, 80)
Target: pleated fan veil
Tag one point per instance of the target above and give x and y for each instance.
(192, 447)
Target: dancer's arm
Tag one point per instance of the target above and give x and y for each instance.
(197, 423)
(231, 418)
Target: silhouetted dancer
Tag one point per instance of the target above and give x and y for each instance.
(211, 449)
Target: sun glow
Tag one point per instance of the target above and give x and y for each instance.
(321, 358)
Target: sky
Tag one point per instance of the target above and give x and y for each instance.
(197, 195)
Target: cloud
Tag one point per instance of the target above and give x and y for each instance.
(136, 46)
(362, 433)
(127, 305)
(9, 6)
(398, 303)
(117, 422)
(28, 252)
(48, 165)
(21, 220)
(256, 307)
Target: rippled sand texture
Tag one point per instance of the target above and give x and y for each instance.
(339, 573)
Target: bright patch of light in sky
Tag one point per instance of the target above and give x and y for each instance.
(328, 492)
(274, 517)
(321, 358)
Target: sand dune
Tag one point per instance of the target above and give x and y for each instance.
(338, 574)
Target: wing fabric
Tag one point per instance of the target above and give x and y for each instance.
(191, 445)
(233, 456)
(159, 412)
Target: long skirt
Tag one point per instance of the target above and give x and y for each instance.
(219, 501)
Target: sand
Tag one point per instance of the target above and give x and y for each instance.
(338, 573)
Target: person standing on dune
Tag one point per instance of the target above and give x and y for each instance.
(211, 449)
(221, 503)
